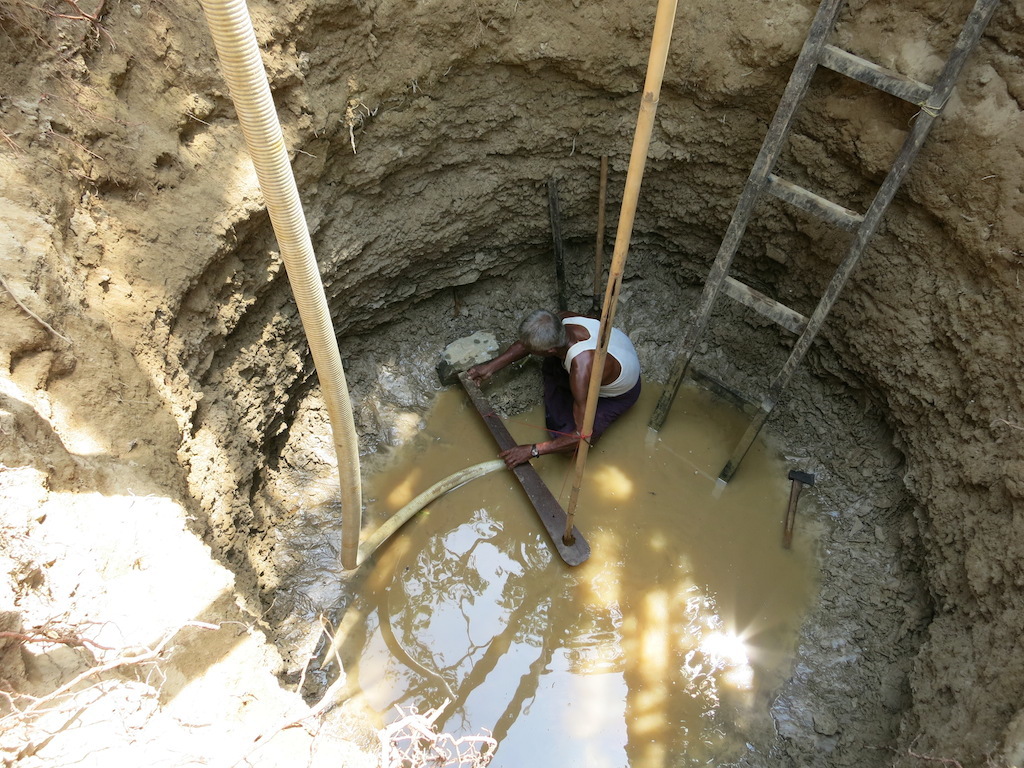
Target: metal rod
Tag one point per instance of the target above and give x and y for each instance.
(556, 237)
(602, 198)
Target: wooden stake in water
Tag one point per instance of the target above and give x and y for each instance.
(637, 160)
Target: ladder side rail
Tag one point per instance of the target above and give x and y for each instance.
(968, 39)
(915, 139)
(966, 42)
(796, 89)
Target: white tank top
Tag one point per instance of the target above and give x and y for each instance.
(619, 347)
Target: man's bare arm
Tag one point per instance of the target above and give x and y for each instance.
(579, 382)
(482, 372)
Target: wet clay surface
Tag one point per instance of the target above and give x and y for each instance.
(665, 647)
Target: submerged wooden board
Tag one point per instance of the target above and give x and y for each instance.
(544, 502)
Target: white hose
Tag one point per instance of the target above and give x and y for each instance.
(402, 516)
(239, 54)
(352, 617)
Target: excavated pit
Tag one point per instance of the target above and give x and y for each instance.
(870, 610)
(423, 139)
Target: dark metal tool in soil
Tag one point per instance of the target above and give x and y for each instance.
(556, 239)
(799, 480)
(544, 502)
(602, 196)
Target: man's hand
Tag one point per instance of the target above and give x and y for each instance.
(478, 374)
(482, 372)
(516, 455)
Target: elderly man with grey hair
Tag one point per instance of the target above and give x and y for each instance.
(568, 344)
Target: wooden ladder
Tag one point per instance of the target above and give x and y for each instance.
(816, 52)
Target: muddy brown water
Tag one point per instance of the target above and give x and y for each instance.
(664, 648)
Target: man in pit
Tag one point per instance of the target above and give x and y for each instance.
(568, 344)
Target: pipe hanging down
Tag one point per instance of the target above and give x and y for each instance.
(239, 55)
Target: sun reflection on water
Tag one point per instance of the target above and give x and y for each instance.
(613, 483)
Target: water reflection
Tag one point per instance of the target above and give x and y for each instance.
(661, 649)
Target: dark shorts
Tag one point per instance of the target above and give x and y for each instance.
(558, 403)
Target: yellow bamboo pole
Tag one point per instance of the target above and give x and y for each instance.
(602, 198)
(660, 41)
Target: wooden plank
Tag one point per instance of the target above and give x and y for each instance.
(814, 204)
(869, 73)
(778, 313)
(544, 502)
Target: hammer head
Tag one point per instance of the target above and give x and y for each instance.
(804, 478)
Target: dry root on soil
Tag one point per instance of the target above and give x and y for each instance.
(21, 12)
(22, 733)
(28, 311)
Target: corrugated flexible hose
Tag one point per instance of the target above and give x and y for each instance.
(235, 41)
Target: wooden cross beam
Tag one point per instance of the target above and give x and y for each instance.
(544, 502)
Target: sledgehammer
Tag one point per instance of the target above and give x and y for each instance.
(800, 479)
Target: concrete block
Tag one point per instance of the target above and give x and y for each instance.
(462, 354)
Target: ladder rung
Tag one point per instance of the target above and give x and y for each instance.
(814, 204)
(883, 79)
(778, 313)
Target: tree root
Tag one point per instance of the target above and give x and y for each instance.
(26, 709)
(30, 313)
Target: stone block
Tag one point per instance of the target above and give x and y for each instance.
(464, 353)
